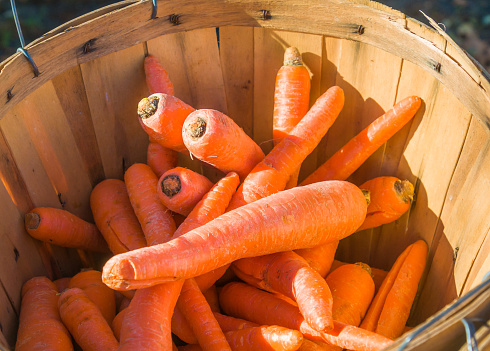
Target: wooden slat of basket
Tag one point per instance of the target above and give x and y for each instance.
(114, 85)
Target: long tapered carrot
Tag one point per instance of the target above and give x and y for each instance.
(279, 223)
(214, 138)
(390, 199)
(273, 172)
(85, 321)
(90, 281)
(228, 323)
(40, 325)
(160, 158)
(345, 161)
(63, 228)
(180, 189)
(266, 338)
(321, 258)
(162, 117)
(405, 273)
(156, 220)
(244, 301)
(291, 99)
(157, 78)
(289, 274)
(117, 323)
(115, 217)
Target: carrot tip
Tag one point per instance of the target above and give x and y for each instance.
(197, 128)
(32, 220)
(171, 185)
(148, 106)
(405, 190)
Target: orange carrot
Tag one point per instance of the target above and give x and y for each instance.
(63, 228)
(156, 220)
(310, 345)
(320, 258)
(401, 283)
(181, 328)
(352, 289)
(266, 338)
(278, 223)
(40, 326)
(180, 189)
(85, 321)
(117, 323)
(200, 317)
(90, 282)
(289, 274)
(215, 138)
(124, 304)
(273, 172)
(190, 347)
(378, 275)
(228, 323)
(345, 161)
(390, 199)
(291, 99)
(114, 216)
(162, 117)
(160, 158)
(157, 78)
(211, 296)
(62, 284)
(244, 301)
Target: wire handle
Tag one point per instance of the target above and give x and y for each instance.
(21, 38)
(154, 9)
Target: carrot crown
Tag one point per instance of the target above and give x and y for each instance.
(32, 220)
(197, 128)
(292, 57)
(148, 106)
(171, 185)
(405, 190)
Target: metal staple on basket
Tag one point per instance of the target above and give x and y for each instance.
(468, 324)
(21, 38)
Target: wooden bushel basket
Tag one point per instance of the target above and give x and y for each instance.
(75, 124)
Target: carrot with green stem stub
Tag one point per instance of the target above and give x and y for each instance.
(214, 138)
(160, 158)
(244, 301)
(62, 228)
(157, 78)
(280, 222)
(291, 99)
(348, 159)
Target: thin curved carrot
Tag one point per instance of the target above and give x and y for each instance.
(117, 323)
(162, 116)
(289, 274)
(157, 78)
(348, 159)
(390, 199)
(180, 189)
(321, 257)
(278, 223)
(291, 99)
(40, 325)
(115, 217)
(62, 228)
(160, 158)
(85, 321)
(155, 219)
(181, 328)
(267, 338)
(214, 138)
(228, 323)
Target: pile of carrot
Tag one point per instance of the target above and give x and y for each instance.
(238, 264)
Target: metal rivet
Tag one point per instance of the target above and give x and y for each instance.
(360, 29)
(88, 46)
(265, 15)
(438, 67)
(174, 19)
(9, 94)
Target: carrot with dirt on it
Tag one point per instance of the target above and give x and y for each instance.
(63, 228)
(40, 325)
(180, 189)
(160, 158)
(277, 223)
(157, 78)
(115, 217)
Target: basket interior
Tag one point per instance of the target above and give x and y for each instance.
(81, 127)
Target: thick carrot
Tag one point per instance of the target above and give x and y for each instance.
(62, 228)
(90, 281)
(291, 99)
(114, 216)
(117, 323)
(401, 283)
(162, 117)
(155, 219)
(214, 138)
(377, 274)
(200, 317)
(244, 301)
(345, 161)
(289, 274)
(321, 257)
(62, 283)
(146, 325)
(390, 199)
(266, 338)
(180, 189)
(273, 172)
(85, 321)
(278, 223)
(353, 290)
(157, 78)
(40, 325)
(160, 158)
